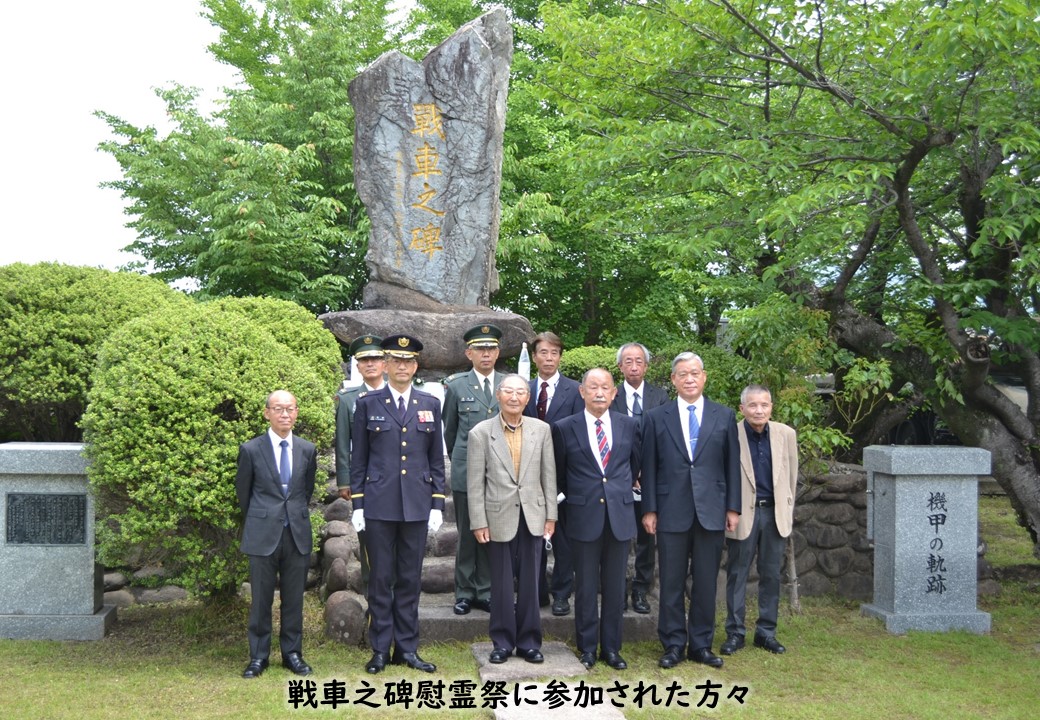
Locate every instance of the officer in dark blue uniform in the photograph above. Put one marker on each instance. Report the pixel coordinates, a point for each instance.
(397, 488)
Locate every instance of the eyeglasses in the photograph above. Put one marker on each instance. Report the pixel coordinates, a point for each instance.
(513, 391)
(280, 410)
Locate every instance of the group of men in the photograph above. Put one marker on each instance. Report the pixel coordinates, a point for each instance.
(582, 468)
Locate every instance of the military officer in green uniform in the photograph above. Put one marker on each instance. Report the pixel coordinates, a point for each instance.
(469, 398)
(372, 366)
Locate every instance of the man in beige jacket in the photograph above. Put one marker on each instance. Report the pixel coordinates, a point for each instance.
(511, 482)
(768, 481)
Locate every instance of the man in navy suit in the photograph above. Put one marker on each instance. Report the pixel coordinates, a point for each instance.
(691, 497)
(554, 397)
(274, 483)
(634, 397)
(397, 488)
(597, 462)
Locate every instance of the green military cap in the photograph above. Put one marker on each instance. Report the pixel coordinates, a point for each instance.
(401, 346)
(366, 346)
(482, 336)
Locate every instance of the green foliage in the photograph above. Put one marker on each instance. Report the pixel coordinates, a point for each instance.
(294, 327)
(174, 395)
(574, 363)
(259, 198)
(54, 319)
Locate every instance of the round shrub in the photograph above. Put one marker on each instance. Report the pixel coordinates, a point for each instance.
(173, 396)
(295, 327)
(53, 319)
(574, 363)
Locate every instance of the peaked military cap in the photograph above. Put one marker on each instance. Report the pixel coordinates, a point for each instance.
(482, 336)
(401, 346)
(366, 346)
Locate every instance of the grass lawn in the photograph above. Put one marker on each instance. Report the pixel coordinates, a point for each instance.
(184, 661)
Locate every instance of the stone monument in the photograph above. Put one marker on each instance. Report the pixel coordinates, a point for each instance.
(428, 167)
(924, 520)
(52, 588)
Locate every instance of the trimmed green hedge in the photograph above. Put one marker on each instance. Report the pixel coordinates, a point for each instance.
(53, 320)
(174, 394)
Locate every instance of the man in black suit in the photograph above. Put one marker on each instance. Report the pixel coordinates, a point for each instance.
(597, 461)
(274, 483)
(397, 488)
(554, 397)
(634, 397)
(691, 497)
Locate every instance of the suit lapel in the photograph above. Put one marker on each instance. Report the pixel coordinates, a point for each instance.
(580, 432)
(500, 448)
(267, 451)
(674, 425)
(778, 456)
(709, 418)
(745, 455)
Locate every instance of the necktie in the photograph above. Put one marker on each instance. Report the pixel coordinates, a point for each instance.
(284, 472)
(637, 409)
(400, 408)
(601, 441)
(487, 390)
(695, 430)
(543, 400)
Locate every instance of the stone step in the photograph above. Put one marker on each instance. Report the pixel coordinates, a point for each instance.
(438, 622)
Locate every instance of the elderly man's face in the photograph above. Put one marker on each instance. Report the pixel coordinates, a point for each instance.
(598, 391)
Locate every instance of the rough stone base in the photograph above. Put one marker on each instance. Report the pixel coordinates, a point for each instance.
(58, 627)
(899, 623)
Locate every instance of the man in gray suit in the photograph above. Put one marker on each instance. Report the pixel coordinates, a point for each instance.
(274, 483)
(511, 479)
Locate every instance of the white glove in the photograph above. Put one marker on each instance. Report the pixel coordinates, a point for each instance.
(560, 498)
(436, 520)
(357, 519)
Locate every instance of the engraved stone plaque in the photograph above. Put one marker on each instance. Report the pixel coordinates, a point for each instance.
(46, 519)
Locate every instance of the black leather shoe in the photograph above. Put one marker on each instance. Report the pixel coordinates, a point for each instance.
(377, 663)
(769, 643)
(705, 656)
(560, 606)
(499, 656)
(531, 656)
(672, 657)
(588, 659)
(484, 605)
(255, 668)
(639, 603)
(614, 660)
(294, 661)
(732, 644)
(462, 606)
(413, 661)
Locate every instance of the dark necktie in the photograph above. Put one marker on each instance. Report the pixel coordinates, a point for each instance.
(695, 430)
(284, 472)
(601, 442)
(400, 408)
(543, 400)
(637, 409)
(487, 390)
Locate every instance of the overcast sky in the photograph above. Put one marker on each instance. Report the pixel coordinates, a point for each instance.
(62, 61)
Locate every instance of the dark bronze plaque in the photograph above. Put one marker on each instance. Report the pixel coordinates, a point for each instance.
(46, 519)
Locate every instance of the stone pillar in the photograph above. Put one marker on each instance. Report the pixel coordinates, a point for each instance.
(925, 527)
(52, 589)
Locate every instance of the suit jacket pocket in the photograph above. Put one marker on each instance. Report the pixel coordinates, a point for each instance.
(257, 513)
